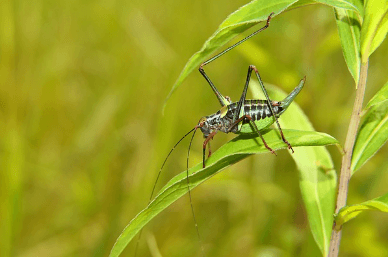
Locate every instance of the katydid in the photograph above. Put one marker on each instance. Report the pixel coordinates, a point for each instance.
(242, 117)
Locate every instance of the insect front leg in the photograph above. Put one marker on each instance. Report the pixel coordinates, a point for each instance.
(207, 139)
(210, 150)
(270, 106)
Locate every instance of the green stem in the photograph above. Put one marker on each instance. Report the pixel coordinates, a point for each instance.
(347, 158)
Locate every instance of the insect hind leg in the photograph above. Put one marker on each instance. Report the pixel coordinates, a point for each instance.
(270, 106)
(253, 124)
(224, 100)
(249, 118)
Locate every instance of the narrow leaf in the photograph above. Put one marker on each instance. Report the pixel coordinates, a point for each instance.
(381, 33)
(302, 3)
(236, 23)
(379, 97)
(374, 27)
(349, 28)
(355, 5)
(318, 180)
(373, 132)
(230, 153)
(350, 212)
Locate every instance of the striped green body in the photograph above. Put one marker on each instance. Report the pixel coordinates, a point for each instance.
(259, 112)
(261, 115)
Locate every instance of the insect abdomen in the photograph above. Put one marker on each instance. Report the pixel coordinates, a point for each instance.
(259, 109)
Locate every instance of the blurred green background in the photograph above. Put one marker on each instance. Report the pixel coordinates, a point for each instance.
(82, 85)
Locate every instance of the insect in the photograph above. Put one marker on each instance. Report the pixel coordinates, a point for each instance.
(242, 117)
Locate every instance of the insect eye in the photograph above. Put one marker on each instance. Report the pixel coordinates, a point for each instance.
(202, 121)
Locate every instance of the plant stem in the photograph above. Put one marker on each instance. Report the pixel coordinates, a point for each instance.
(347, 158)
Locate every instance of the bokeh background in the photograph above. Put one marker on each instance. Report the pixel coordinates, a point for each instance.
(82, 135)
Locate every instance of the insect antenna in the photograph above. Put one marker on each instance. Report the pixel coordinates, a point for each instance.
(188, 189)
(157, 178)
(165, 160)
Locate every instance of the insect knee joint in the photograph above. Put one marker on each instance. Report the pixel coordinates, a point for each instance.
(253, 67)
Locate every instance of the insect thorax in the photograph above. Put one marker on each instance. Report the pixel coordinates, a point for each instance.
(217, 122)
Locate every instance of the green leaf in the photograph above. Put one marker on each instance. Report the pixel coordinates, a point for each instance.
(350, 212)
(381, 96)
(373, 132)
(354, 5)
(230, 153)
(318, 179)
(374, 28)
(302, 3)
(349, 28)
(236, 23)
(381, 33)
